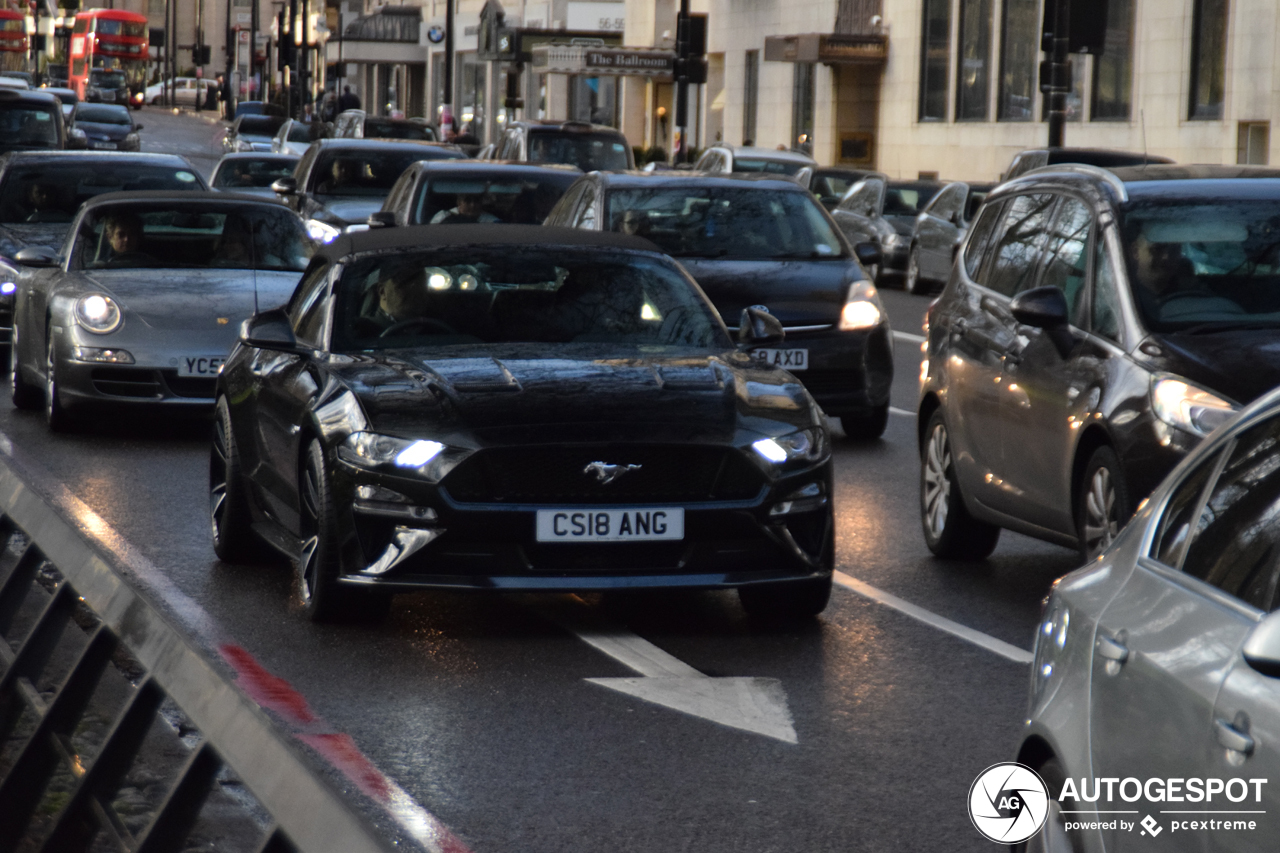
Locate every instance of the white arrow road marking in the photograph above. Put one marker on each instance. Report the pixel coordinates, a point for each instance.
(757, 705)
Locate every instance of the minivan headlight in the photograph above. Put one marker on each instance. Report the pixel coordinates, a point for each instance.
(862, 309)
(98, 313)
(1180, 404)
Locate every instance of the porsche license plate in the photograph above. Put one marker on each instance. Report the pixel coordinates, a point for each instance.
(610, 525)
(205, 365)
(788, 359)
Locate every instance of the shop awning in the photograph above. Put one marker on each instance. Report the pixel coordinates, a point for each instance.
(829, 48)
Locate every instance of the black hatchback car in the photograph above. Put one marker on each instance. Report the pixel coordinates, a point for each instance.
(1097, 326)
(513, 407)
(755, 240)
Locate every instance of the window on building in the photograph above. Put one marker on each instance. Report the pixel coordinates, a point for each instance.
(1253, 144)
(974, 70)
(1113, 70)
(1208, 58)
(750, 96)
(1019, 60)
(935, 55)
(802, 100)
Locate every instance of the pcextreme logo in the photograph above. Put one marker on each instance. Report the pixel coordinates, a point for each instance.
(1008, 802)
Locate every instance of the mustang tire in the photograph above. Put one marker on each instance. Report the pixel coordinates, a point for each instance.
(233, 539)
(790, 600)
(320, 562)
(949, 530)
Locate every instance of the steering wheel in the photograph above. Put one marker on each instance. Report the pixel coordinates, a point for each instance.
(438, 326)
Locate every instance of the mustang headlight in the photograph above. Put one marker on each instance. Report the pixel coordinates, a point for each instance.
(98, 313)
(862, 309)
(419, 458)
(1183, 405)
(321, 232)
(807, 445)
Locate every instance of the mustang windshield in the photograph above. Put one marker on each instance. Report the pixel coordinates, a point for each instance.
(1205, 264)
(171, 236)
(505, 294)
(726, 222)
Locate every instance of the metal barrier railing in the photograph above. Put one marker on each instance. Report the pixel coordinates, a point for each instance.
(117, 734)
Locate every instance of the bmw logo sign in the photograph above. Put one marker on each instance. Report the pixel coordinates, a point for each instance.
(435, 35)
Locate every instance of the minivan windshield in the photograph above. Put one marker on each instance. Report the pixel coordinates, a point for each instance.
(1204, 264)
(726, 222)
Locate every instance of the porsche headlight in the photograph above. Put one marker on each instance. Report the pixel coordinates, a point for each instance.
(862, 308)
(807, 445)
(321, 232)
(1181, 404)
(98, 313)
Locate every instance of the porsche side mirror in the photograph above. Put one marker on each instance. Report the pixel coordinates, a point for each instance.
(1262, 647)
(382, 219)
(269, 330)
(285, 186)
(38, 256)
(759, 328)
(868, 254)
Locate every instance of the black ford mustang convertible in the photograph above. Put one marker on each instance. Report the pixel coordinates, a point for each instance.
(517, 408)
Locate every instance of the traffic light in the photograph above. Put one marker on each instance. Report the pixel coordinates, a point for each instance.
(1088, 32)
(201, 55)
(693, 69)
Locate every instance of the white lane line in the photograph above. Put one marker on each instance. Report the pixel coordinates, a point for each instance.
(991, 644)
(894, 410)
(907, 336)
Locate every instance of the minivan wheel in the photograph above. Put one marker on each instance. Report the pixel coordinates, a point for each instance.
(1102, 503)
(949, 530)
(913, 283)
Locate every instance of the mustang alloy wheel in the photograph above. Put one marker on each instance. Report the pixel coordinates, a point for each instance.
(319, 564)
(1103, 503)
(949, 530)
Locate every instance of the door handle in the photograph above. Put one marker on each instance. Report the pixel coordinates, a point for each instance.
(1112, 650)
(1232, 738)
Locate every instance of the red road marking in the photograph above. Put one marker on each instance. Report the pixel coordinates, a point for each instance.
(269, 691)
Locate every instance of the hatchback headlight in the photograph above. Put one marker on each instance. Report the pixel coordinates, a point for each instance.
(1180, 404)
(862, 309)
(807, 445)
(98, 313)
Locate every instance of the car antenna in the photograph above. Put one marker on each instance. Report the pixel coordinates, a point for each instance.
(1142, 115)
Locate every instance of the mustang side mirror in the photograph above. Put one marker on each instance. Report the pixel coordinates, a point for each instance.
(1045, 308)
(285, 186)
(1262, 648)
(759, 328)
(37, 256)
(382, 219)
(269, 330)
(868, 254)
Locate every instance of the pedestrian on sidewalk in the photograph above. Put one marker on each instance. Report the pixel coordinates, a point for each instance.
(348, 100)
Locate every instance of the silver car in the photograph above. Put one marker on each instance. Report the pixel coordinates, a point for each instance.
(146, 298)
(1159, 662)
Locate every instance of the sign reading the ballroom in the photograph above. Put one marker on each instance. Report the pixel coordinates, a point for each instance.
(581, 59)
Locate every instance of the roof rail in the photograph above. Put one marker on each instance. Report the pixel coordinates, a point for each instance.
(1105, 175)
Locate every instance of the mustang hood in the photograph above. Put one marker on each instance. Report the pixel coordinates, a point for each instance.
(528, 393)
(15, 236)
(193, 299)
(1240, 364)
(797, 292)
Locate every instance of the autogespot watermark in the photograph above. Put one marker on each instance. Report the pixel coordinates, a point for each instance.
(1009, 803)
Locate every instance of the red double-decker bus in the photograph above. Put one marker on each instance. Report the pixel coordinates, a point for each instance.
(108, 55)
(13, 41)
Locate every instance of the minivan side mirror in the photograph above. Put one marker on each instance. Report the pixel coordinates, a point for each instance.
(269, 330)
(1262, 647)
(1045, 308)
(759, 328)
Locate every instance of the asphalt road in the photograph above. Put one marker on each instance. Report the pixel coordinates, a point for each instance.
(477, 708)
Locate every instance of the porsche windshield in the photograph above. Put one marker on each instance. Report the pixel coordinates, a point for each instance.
(143, 237)
(1205, 264)
(365, 172)
(47, 192)
(505, 294)
(726, 222)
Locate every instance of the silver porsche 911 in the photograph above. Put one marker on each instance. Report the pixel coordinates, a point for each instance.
(146, 298)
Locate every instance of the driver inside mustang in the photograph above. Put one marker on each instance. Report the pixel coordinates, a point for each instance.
(401, 296)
